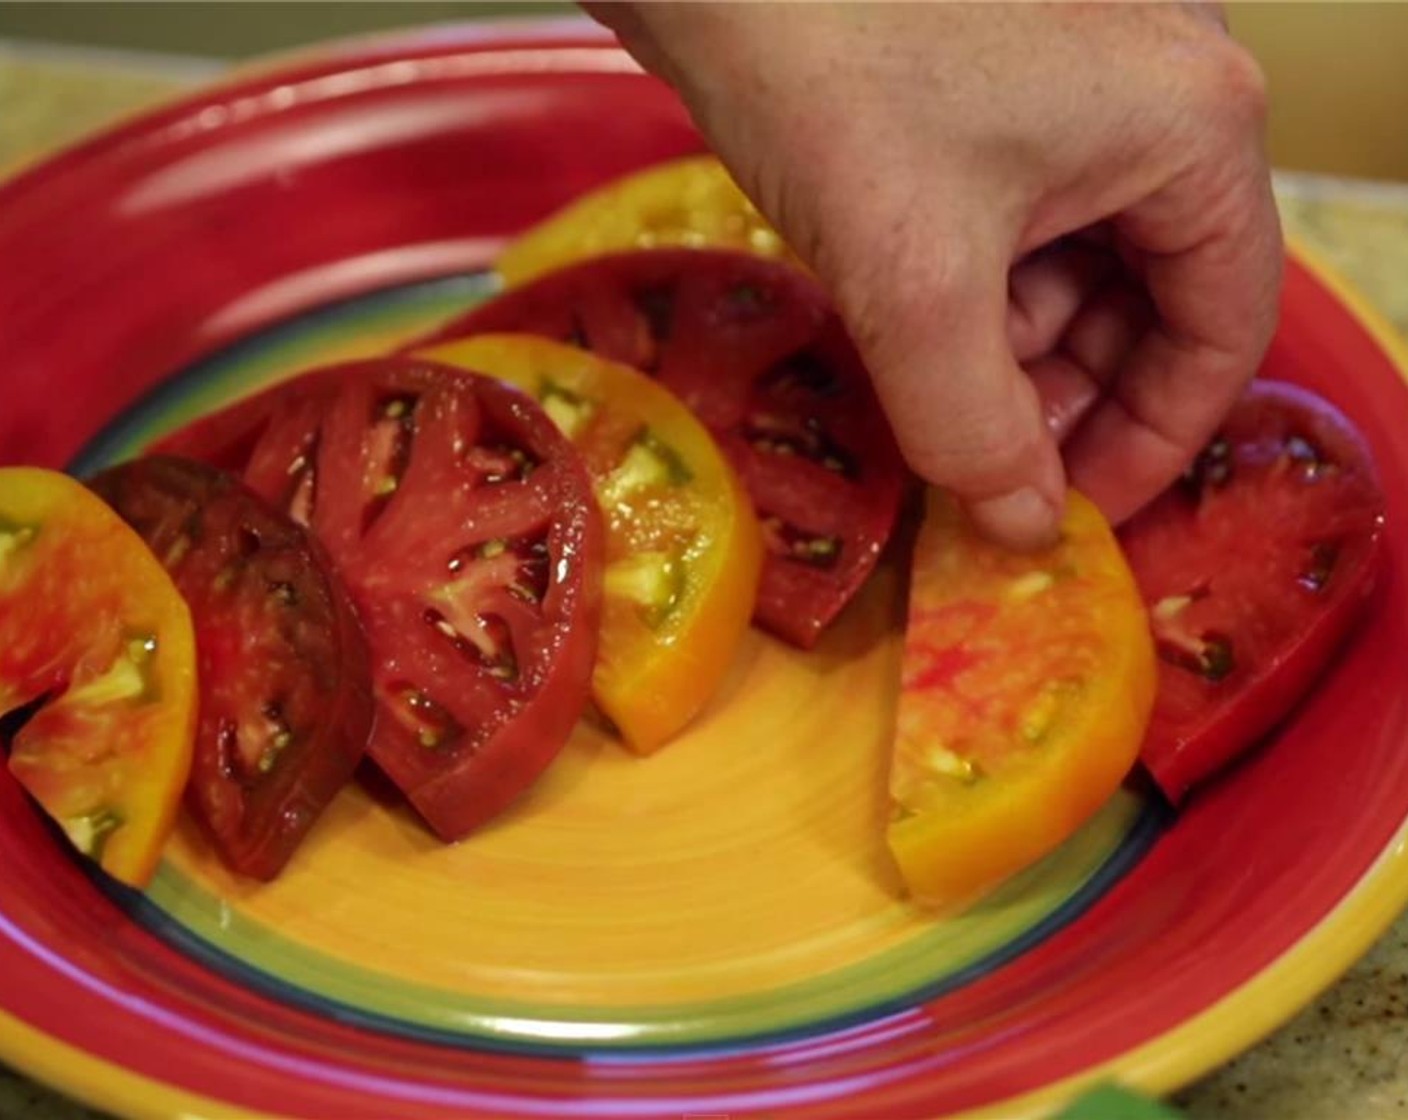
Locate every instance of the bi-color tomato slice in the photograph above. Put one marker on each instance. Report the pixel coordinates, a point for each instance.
(687, 203)
(1254, 567)
(754, 349)
(285, 685)
(93, 630)
(683, 549)
(464, 525)
(1027, 684)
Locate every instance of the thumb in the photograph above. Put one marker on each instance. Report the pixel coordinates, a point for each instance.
(933, 331)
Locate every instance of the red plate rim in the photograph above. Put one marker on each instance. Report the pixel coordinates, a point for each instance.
(79, 970)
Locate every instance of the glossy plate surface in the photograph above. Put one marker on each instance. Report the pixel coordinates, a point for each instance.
(714, 930)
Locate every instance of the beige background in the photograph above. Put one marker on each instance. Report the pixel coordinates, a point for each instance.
(1338, 71)
(1338, 75)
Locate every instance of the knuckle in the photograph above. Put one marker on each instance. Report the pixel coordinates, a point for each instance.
(1236, 86)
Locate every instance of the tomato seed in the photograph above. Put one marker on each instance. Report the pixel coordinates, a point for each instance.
(1210, 656)
(577, 335)
(91, 831)
(1212, 469)
(499, 463)
(1323, 555)
(745, 303)
(434, 727)
(1309, 458)
(301, 491)
(657, 307)
(802, 373)
(774, 434)
(14, 538)
(787, 540)
(393, 429)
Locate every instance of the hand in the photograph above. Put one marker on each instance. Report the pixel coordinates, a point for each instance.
(1049, 228)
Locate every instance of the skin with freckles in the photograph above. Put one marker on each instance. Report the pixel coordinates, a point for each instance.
(1049, 227)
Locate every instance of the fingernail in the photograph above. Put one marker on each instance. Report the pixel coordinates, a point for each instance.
(1023, 519)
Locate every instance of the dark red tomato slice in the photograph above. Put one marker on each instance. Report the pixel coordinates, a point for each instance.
(1254, 567)
(753, 347)
(465, 528)
(285, 681)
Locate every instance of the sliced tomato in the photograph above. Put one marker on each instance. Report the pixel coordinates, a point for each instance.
(683, 548)
(1027, 685)
(1254, 566)
(93, 631)
(687, 203)
(285, 696)
(464, 525)
(754, 349)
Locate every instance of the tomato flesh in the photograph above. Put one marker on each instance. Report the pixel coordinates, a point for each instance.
(285, 697)
(94, 632)
(1254, 567)
(1027, 682)
(464, 526)
(687, 203)
(754, 349)
(683, 549)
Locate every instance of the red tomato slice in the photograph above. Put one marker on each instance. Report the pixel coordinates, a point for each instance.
(93, 630)
(285, 701)
(753, 347)
(464, 526)
(1254, 566)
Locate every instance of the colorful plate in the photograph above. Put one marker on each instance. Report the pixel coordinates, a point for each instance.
(711, 932)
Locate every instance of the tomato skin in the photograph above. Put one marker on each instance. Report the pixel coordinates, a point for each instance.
(667, 492)
(89, 619)
(691, 202)
(1247, 613)
(392, 462)
(1027, 686)
(754, 348)
(283, 663)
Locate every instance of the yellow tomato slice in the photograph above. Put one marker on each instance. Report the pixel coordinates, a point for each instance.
(684, 548)
(687, 203)
(1028, 681)
(93, 629)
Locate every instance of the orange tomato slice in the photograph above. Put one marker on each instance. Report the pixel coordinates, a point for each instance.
(93, 630)
(1027, 684)
(684, 549)
(689, 203)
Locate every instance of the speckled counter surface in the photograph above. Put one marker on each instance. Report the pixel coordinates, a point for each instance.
(1345, 1056)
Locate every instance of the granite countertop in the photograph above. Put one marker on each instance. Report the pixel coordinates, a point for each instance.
(1347, 1053)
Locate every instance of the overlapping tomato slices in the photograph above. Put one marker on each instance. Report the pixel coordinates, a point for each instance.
(753, 347)
(465, 528)
(683, 548)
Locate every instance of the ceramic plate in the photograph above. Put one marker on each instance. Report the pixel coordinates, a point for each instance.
(714, 931)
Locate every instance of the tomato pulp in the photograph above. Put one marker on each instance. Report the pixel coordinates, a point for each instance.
(1027, 682)
(93, 631)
